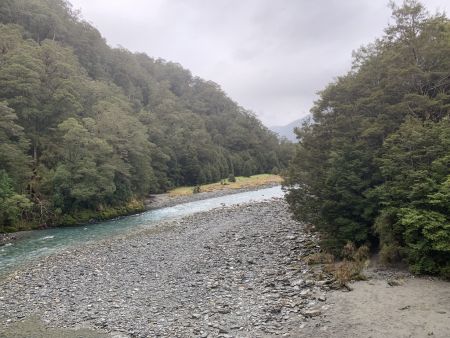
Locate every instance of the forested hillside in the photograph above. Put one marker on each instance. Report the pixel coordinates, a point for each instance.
(374, 165)
(87, 130)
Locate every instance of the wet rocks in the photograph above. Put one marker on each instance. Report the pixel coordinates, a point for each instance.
(6, 239)
(231, 272)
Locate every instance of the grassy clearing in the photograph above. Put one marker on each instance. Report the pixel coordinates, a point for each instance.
(241, 182)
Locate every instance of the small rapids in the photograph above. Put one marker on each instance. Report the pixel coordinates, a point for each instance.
(35, 244)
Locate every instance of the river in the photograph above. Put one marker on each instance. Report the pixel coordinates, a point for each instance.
(35, 244)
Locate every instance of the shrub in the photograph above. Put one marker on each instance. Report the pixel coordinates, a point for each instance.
(390, 253)
(347, 271)
(319, 258)
(351, 267)
(348, 251)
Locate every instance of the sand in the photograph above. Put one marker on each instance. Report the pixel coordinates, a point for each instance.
(412, 307)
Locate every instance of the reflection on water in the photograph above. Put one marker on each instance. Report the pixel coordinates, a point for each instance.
(44, 242)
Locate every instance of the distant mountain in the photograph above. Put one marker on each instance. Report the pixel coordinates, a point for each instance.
(288, 130)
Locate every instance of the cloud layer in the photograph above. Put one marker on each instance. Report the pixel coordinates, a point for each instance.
(269, 56)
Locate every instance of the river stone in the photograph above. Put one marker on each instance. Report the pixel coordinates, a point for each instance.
(229, 271)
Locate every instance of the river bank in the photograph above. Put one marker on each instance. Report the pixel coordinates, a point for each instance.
(152, 202)
(78, 218)
(165, 200)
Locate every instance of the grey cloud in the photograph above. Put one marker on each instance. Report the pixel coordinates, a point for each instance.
(270, 56)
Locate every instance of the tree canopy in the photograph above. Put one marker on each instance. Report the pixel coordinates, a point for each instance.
(86, 127)
(372, 166)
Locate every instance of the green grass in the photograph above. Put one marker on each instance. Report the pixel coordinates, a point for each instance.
(241, 182)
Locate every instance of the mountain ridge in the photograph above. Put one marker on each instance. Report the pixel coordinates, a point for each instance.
(287, 131)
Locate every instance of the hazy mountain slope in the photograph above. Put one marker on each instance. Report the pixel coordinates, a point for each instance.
(287, 131)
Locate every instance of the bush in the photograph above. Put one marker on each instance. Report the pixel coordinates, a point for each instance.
(351, 268)
(348, 251)
(390, 253)
(319, 258)
(347, 271)
(231, 178)
(196, 189)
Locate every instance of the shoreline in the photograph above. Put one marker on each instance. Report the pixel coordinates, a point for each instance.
(165, 200)
(157, 201)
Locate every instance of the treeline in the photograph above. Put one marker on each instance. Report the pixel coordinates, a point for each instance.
(87, 130)
(373, 165)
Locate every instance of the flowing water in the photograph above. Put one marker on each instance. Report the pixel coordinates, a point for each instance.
(35, 244)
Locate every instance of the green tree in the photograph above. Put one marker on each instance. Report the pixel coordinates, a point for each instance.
(98, 127)
(414, 219)
(85, 176)
(13, 148)
(12, 205)
(372, 164)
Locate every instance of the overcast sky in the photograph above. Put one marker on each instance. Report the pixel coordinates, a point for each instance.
(270, 56)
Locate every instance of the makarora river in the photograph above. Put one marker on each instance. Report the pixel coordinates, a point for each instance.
(35, 244)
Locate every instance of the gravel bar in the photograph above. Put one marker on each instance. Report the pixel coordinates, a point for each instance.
(165, 200)
(231, 272)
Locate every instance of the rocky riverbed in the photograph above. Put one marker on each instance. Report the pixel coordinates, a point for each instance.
(230, 272)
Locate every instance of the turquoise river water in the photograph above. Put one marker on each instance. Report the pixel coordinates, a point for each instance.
(35, 244)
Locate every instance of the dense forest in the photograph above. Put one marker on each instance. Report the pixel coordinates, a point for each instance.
(373, 164)
(87, 131)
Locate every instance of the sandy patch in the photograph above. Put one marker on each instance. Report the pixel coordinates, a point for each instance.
(416, 307)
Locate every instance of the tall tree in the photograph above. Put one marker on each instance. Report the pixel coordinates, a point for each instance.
(366, 169)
